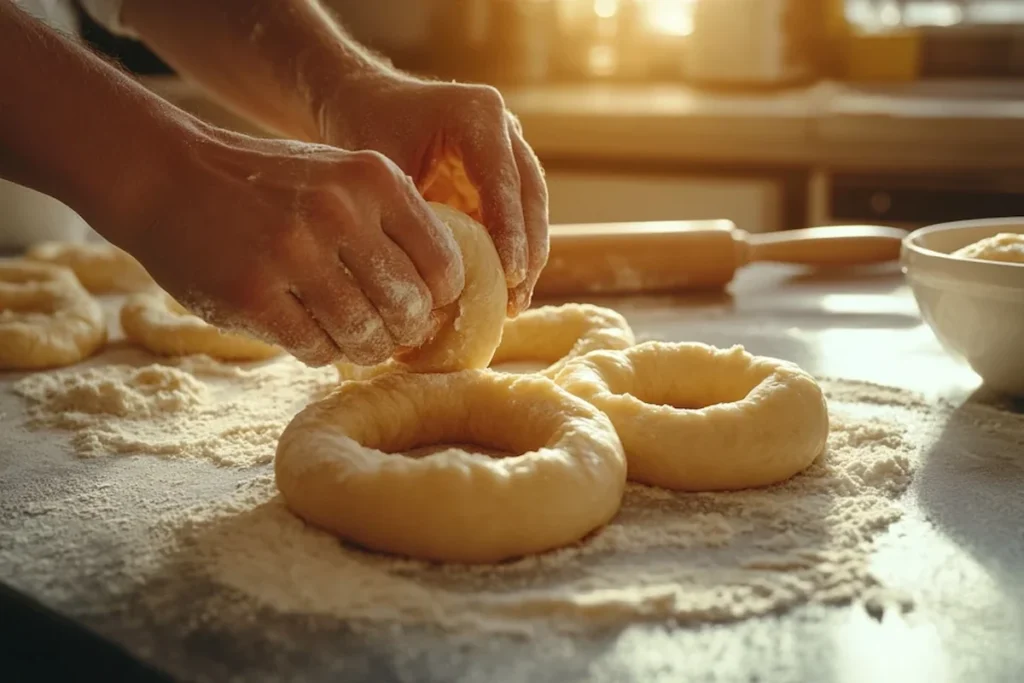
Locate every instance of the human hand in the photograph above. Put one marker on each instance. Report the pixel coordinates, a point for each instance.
(329, 254)
(462, 147)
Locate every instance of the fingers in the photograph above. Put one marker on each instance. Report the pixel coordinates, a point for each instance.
(332, 298)
(285, 322)
(489, 161)
(391, 283)
(534, 195)
(429, 246)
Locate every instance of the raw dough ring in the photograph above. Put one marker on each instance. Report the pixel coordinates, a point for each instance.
(557, 334)
(473, 331)
(101, 268)
(46, 318)
(161, 325)
(336, 469)
(695, 418)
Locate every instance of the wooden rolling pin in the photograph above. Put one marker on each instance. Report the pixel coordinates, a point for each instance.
(629, 258)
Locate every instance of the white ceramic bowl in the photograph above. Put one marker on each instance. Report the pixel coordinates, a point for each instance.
(975, 308)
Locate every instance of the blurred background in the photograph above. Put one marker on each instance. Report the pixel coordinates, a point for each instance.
(777, 114)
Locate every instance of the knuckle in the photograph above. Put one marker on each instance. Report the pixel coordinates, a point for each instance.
(487, 99)
(373, 165)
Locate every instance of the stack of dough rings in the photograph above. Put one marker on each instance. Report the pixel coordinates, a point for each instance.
(161, 325)
(47, 319)
(683, 416)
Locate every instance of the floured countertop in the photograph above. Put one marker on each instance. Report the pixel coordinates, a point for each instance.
(898, 557)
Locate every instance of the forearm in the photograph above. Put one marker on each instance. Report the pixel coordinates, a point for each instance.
(75, 128)
(269, 60)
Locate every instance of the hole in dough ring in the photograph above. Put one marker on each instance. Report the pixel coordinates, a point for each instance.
(47, 319)
(696, 418)
(468, 338)
(337, 467)
(161, 325)
(557, 334)
(101, 268)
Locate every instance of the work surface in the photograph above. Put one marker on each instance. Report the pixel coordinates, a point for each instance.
(958, 552)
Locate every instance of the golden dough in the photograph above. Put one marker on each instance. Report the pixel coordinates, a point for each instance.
(160, 324)
(46, 318)
(557, 334)
(468, 339)
(1006, 247)
(101, 268)
(695, 418)
(337, 466)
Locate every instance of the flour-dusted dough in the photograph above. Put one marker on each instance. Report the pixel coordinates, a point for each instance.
(473, 329)
(557, 334)
(1007, 247)
(160, 324)
(101, 268)
(338, 466)
(46, 318)
(696, 418)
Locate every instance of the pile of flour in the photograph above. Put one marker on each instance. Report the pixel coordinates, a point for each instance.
(666, 556)
(193, 407)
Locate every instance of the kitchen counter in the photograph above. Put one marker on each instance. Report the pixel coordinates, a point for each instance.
(958, 552)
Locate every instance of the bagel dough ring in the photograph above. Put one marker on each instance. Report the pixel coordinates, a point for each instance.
(47, 319)
(1006, 247)
(472, 333)
(101, 268)
(557, 334)
(337, 466)
(696, 418)
(161, 325)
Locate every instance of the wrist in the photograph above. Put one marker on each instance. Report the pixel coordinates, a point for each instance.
(127, 190)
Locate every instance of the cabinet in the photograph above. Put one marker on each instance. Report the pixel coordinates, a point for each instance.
(610, 196)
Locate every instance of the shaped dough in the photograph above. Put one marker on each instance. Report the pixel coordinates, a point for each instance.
(696, 418)
(557, 334)
(101, 268)
(46, 318)
(161, 325)
(338, 466)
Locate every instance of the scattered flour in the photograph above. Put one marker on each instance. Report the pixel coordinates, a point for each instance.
(666, 556)
(696, 557)
(191, 408)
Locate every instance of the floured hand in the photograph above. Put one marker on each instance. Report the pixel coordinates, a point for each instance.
(330, 254)
(450, 138)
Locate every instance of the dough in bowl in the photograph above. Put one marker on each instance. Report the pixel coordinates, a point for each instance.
(1007, 247)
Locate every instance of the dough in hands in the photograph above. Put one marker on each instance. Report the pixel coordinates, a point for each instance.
(101, 268)
(696, 418)
(1006, 247)
(339, 466)
(161, 325)
(473, 327)
(47, 319)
